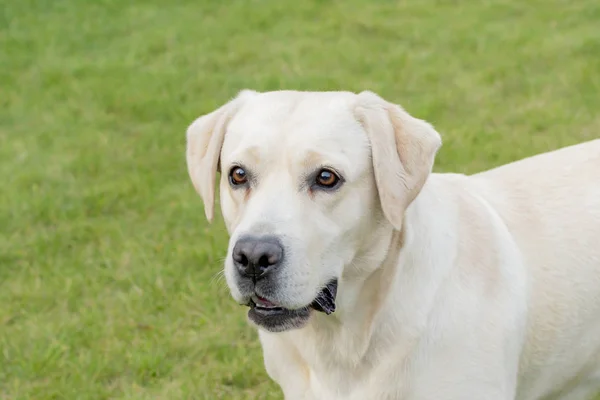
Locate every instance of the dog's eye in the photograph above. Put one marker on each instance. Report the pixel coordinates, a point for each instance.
(326, 178)
(237, 176)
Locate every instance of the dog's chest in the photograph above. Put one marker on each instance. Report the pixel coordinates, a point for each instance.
(340, 369)
(356, 384)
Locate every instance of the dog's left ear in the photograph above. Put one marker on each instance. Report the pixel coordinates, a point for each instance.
(403, 149)
(204, 141)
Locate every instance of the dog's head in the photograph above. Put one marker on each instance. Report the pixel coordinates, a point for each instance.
(305, 178)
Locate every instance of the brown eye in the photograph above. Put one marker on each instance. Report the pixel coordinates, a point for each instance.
(237, 176)
(327, 179)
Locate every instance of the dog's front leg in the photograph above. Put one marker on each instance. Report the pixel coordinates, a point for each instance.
(478, 359)
(473, 344)
(285, 366)
(477, 389)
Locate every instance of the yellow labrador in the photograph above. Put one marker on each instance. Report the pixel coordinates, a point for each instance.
(370, 277)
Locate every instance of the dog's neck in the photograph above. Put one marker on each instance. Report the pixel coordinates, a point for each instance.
(347, 333)
(373, 287)
(395, 290)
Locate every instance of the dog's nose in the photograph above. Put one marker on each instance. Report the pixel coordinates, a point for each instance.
(255, 257)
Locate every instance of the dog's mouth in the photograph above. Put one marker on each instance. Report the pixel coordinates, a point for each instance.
(264, 306)
(275, 318)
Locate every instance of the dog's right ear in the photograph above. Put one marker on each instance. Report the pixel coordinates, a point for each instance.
(403, 150)
(204, 141)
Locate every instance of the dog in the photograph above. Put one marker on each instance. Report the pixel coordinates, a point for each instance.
(369, 276)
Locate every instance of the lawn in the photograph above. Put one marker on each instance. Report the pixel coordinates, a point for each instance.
(109, 285)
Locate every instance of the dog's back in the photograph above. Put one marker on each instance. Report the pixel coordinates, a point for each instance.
(551, 205)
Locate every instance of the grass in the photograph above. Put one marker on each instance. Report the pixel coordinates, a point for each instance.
(108, 271)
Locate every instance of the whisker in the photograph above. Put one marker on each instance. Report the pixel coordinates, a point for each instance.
(218, 277)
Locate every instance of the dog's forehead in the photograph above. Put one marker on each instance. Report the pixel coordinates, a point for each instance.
(297, 125)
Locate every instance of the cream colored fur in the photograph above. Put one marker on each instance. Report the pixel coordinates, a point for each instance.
(451, 287)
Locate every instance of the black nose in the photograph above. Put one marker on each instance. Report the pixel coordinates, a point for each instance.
(255, 257)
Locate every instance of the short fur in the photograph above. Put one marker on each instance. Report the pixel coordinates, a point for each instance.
(451, 287)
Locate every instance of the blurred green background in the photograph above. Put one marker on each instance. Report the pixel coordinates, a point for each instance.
(109, 285)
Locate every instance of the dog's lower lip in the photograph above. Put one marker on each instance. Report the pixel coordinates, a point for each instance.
(262, 306)
(261, 302)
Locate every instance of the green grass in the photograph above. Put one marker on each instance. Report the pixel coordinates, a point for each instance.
(108, 284)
